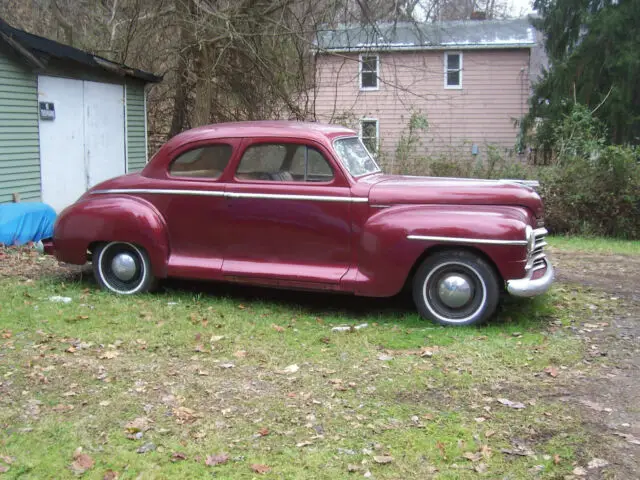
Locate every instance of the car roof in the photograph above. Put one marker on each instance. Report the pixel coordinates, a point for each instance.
(265, 128)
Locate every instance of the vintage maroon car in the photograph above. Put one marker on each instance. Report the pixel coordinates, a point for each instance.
(304, 205)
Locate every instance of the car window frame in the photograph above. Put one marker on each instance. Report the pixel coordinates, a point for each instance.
(336, 180)
(178, 152)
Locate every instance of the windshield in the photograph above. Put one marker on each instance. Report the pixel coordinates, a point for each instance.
(355, 157)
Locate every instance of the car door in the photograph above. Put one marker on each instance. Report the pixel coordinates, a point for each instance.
(194, 207)
(289, 218)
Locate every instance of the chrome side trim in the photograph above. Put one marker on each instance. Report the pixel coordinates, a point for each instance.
(208, 193)
(538, 232)
(162, 191)
(282, 196)
(485, 241)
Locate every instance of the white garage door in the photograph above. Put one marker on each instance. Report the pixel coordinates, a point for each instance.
(84, 144)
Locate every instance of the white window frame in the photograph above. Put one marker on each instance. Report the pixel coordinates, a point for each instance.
(361, 63)
(368, 119)
(446, 71)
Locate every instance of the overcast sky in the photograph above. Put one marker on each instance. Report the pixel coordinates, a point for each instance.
(521, 7)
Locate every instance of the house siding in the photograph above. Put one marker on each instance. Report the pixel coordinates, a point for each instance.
(494, 94)
(19, 144)
(136, 127)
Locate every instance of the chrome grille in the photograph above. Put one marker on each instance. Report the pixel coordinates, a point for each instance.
(537, 259)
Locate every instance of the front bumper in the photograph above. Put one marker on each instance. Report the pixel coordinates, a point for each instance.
(528, 287)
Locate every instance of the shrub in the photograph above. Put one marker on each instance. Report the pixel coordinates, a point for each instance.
(594, 196)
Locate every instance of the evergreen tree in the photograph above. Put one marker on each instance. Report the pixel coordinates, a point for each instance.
(594, 60)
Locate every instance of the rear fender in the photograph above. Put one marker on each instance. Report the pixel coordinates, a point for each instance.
(386, 255)
(111, 218)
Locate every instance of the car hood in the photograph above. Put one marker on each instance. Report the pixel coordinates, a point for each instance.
(396, 189)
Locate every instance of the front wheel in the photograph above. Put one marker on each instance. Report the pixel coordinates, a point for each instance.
(456, 288)
(123, 268)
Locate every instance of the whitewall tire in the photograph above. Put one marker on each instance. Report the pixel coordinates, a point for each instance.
(123, 268)
(456, 287)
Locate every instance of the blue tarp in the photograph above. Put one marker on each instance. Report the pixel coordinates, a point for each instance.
(25, 222)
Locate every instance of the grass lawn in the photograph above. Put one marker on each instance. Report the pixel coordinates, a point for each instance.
(256, 381)
(596, 244)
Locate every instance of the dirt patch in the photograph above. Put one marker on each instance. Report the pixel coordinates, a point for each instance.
(27, 264)
(615, 274)
(608, 400)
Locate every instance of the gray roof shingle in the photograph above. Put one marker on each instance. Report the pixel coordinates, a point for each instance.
(467, 34)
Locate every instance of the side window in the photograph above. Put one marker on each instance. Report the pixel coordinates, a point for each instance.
(204, 162)
(309, 165)
(281, 162)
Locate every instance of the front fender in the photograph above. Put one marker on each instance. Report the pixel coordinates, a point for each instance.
(386, 255)
(111, 218)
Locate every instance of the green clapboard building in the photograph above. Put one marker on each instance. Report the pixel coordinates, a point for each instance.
(68, 119)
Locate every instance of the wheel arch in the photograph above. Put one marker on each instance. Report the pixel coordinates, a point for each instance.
(96, 220)
(442, 247)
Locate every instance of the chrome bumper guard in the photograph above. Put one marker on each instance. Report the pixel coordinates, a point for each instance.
(526, 287)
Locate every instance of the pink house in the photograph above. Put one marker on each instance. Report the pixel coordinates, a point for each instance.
(469, 79)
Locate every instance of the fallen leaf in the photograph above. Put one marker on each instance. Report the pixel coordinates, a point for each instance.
(489, 433)
(481, 467)
(185, 415)
(3, 468)
(277, 328)
(290, 369)
(551, 371)
(263, 432)
(597, 463)
(178, 456)
(7, 459)
(217, 459)
(216, 338)
(579, 471)
(384, 357)
(486, 451)
(556, 459)
(474, 457)
(241, 307)
(383, 459)
(440, 446)
(109, 355)
(110, 475)
(140, 424)
(81, 462)
(199, 348)
(260, 469)
(480, 419)
(62, 408)
(353, 468)
(510, 404)
(104, 403)
(240, 354)
(226, 365)
(305, 443)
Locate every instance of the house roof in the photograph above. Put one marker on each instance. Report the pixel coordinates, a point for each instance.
(36, 51)
(461, 35)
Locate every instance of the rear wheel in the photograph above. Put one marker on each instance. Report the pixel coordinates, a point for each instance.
(123, 268)
(456, 288)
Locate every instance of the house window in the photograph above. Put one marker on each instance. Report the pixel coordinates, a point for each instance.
(369, 134)
(369, 72)
(452, 70)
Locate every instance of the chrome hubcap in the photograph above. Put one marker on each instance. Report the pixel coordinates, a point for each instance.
(455, 290)
(123, 266)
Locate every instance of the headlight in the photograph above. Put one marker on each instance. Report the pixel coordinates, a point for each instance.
(531, 239)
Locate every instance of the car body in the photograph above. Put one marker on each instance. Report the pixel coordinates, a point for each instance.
(304, 206)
